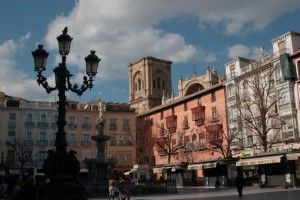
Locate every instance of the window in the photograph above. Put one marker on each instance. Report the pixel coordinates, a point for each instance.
(230, 90)
(42, 138)
(214, 113)
(72, 122)
(163, 84)
(158, 82)
(199, 101)
(129, 158)
(213, 97)
(154, 85)
(126, 126)
(86, 139)
(185, 124)
(173, 111)
(185, 107)
(86, 120)
(121, 158)
(139, 83)
(28, 136)
(161, 115)
(232, 72)
(43, 118)
(249, 140)
(72, 138)
(113, 125)
(284, 100)
(11, 137)
(12, 120)
(232, 112)
(29, 118)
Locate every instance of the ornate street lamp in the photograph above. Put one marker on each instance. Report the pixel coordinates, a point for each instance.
(61, 167)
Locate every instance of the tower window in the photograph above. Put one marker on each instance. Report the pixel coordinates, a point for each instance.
(139, 83)
(158, 82)
(163, 84)
(154, 85)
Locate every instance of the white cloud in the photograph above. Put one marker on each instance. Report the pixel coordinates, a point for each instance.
(239, 50)
(15, 82)
(122, 31)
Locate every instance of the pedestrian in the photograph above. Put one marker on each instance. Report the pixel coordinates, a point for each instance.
(111, 188)
(239, 181)
(28, 191)
(12, 189)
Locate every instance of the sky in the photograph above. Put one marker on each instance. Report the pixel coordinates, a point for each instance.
(190, 33)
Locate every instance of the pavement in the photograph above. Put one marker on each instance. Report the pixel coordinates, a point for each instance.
(200, 193)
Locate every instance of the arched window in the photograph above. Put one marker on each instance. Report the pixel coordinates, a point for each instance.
(139, 83)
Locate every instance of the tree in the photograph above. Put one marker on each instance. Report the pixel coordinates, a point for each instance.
(23, 150)
(217, 138)
(168, 141)
(258, 106)
(143, 141)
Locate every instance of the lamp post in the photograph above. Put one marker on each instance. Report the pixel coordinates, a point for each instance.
(61, 166)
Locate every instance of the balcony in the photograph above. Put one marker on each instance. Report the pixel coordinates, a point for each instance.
(29, 124)
(43, 124)
(86, 126)
(287, 135)
(72, 126)
(231, 98)
(11, 142)
(198, 114)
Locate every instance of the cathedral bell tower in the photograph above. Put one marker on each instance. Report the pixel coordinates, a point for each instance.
(149, 79)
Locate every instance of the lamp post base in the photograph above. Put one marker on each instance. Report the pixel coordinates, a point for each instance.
(61, 168)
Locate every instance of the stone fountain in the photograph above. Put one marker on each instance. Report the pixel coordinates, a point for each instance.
(100, 168)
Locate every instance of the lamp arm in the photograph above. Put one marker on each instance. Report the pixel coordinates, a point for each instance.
(74, 88)
(41, 80)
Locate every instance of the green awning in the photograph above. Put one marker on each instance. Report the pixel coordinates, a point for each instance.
(287, 67)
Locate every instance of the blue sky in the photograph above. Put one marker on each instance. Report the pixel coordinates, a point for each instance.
(187, 32)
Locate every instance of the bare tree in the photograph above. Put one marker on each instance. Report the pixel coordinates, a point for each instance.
(168, 141)
(23, 149)
(143, 141)
(217, 138)
(258, 106)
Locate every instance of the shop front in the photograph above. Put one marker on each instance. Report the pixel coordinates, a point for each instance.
(216, 172)
(280, 169)
(173, 171)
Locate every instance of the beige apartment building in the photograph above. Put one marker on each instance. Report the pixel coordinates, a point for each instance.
(120, 125)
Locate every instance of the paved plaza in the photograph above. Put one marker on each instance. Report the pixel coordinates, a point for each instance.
(199, 193)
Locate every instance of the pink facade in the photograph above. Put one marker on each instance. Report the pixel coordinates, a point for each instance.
(188, 121)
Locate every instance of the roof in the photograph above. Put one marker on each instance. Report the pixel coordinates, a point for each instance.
(181, 99)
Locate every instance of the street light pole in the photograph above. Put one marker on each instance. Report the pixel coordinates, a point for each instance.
(61, 167)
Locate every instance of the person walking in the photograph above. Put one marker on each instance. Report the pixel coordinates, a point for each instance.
(111, 188)
(28, 191)
(239, 181)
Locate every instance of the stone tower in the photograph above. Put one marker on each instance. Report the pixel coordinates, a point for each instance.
(149, 81)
